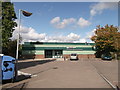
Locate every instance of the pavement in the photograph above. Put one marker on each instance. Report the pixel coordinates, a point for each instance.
(68, 74)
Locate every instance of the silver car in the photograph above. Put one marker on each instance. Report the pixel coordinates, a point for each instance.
(73, 56)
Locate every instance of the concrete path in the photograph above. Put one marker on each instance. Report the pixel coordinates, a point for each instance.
(65, 74)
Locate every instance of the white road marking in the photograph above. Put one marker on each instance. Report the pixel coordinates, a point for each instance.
(26, 74)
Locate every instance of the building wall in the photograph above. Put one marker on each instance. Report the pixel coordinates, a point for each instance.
(79, 52)
(37, 50)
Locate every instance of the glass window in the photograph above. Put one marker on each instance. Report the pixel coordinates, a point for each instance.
(73, 54)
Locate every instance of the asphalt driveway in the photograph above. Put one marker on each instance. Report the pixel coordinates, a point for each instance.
(66, 74)
(49, 73)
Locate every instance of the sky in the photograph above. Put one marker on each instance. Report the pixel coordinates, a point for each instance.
(63, 21)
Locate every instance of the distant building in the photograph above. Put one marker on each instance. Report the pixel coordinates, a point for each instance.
(56, 50)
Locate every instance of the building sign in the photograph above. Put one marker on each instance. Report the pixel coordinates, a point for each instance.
(74, 48)
(70, 47)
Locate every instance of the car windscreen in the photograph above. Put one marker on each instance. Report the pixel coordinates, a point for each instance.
(73, 54)
(109, 55)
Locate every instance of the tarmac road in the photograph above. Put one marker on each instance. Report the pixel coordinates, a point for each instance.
(65, 74)
(68, 74)
(109, 69)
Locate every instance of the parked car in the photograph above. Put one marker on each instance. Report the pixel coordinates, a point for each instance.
(73, 56)
(106, 56)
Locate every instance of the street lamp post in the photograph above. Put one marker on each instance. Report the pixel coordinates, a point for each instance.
(18, 34)
(16, 66)
(27, 14)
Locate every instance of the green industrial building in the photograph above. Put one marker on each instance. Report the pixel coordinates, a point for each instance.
(56, 50)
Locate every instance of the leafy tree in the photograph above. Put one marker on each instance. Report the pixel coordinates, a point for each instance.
(117, 45)
(8, 24)
(0, 27)
(12, 45)
(105, 39)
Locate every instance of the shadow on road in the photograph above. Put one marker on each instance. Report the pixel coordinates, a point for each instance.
(22, 65)
(19, 78)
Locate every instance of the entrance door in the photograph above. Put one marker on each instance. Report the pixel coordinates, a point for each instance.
(48, 53)
(57, 53)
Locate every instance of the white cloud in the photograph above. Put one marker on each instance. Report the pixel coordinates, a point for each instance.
(99, 7)
(28, 34)
(72, 37)
(93, 12)
(55, 20)
(83, 40)
(90, 34)
(83, 23)
(69, 20)
(60, 24)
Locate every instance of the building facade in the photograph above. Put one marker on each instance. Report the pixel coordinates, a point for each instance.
(57, 50)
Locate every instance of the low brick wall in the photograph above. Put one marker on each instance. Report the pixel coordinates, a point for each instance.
(81, 56)
(32, 56)
(66, 56)
(86, 56)
(39, 56)
(27, 56)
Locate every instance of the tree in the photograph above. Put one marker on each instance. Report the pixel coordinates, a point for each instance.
(105, 39)
(12, 45)
(8, 25)
(0, 27)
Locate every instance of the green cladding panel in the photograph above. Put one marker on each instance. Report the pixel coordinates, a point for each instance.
(39, 48)
(54, 48)
(56, 43)
(25, 52)
(79, 52)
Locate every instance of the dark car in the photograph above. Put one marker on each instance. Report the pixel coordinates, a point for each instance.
(106, 57)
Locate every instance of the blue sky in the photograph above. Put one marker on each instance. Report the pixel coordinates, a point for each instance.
(64, 21)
